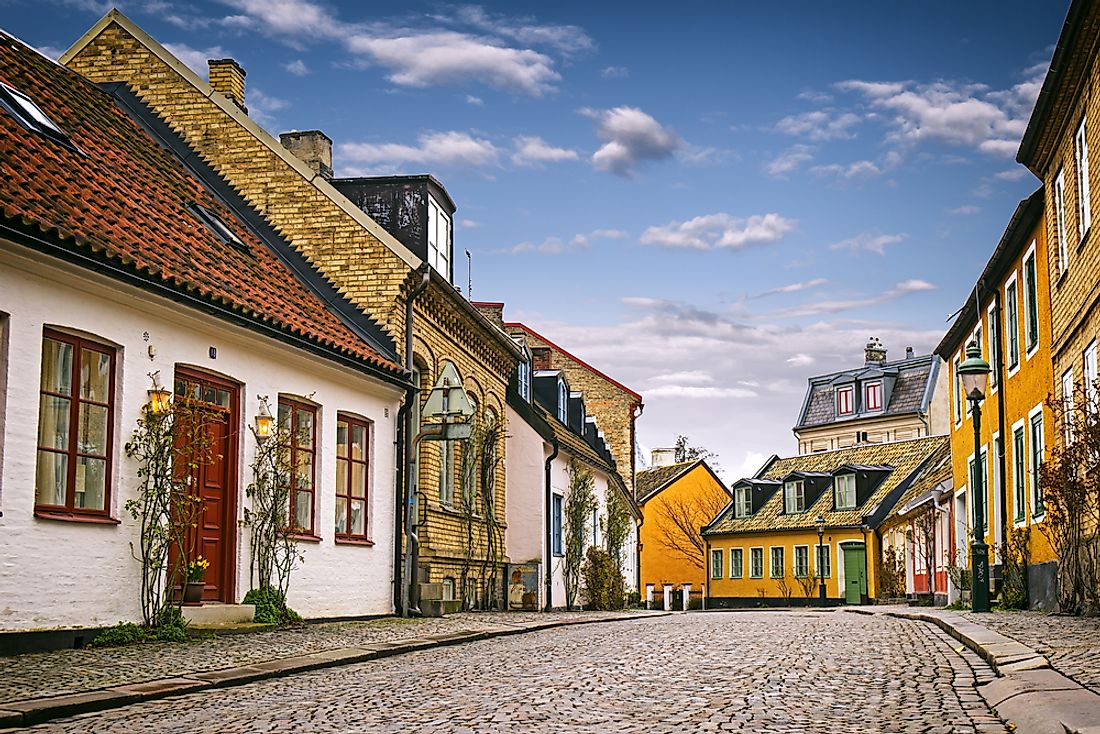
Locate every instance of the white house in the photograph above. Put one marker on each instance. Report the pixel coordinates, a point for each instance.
(118, 261)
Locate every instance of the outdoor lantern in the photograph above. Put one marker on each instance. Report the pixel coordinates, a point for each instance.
(159, 397)
(264, 422)
(974, 372)
(820, 523)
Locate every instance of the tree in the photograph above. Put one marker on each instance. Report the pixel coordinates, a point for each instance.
(680, 520)
(686, 452)
(579, 504)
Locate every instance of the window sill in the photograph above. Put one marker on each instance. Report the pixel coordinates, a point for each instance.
(355, 541)
(305, 537)
(64, 516)
(1061, 278)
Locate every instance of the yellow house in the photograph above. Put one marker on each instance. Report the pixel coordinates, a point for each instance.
(676, 500)
(765, 547)
(1008, 316)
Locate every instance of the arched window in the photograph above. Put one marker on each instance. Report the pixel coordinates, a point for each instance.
(563, 401)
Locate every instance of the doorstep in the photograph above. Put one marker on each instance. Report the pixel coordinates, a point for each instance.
(215, 613)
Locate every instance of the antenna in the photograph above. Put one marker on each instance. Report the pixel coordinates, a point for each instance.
(469, 276)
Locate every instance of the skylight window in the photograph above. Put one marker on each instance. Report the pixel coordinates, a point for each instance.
(30, 115)
(214, 223)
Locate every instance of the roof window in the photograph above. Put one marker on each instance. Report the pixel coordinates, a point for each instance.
(215, 224)
(30, 115)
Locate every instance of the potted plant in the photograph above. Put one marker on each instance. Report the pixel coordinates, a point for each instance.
(196, 574)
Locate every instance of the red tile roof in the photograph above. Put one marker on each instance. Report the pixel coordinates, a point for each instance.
(125, 199)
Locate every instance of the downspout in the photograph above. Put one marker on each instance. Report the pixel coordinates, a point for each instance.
(638, 554)
(548, 571)
(407, 493)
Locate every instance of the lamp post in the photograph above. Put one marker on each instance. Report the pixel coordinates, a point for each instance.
(974, 373)
(820, 523)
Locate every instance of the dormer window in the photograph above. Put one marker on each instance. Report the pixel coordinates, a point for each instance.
(563, 402)
(794, 497)
(215, 224)
(844, 492)
(742, 506)
(844, 400)
(30, 115)
(439, 238)
(523, 380)
(872, 396)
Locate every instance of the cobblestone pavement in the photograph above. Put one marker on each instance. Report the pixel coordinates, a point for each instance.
(1071, 644)
(70, 671)
(736, 671)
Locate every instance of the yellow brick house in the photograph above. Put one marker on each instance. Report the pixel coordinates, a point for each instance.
(767, 536)
(330, 222)
(1008, 315)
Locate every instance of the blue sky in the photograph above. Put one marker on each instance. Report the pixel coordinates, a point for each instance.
(710, 204)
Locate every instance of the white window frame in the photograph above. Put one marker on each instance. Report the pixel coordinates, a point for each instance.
(557, 532)
(439, 242)
(850, 391)
(794, 562)
(1060, 220)
(717, 563)
(868, 388)
(1032, 348)
(983, 453)
(993, 346)
(1033, 471)
(742, 505)
(754, 553)
(959, 403)
(1012, 330)
(739, 553)
(995, 473)
(794, 493)
(782, 562)
(523, 379)
(1019, 467)
(1089, 375)
(836, 492)
(1067, 406)
(563, 402)
(1084, 191)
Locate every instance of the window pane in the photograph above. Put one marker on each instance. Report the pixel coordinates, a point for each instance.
(341, 476)
(95, 376)
(358, 517)
(358, 442)
(341, 438)
(304, 470)
(341, 515)
(284, 417)
(91, 483)
(305, 429)
(57, 367)
(210, 395)
(303, 510)
(50, 478)
(53, 422)
(92, 435)
(358, 479)
(222, 398)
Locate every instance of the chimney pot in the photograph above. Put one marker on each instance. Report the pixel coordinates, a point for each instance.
(909, 352)
(312, 147)
(874, 352)
(227, 77)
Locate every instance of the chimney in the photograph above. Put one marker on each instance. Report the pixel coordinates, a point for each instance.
(662, 457)
(227, 77)
(540, 358)
(312, 147)
(909, 352)
(491, 310)
(874, 351)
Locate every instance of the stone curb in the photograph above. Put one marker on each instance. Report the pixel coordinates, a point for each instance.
(28, 712)
(1028, 693)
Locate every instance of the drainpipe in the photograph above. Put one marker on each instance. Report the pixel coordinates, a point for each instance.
(548, 572)
(638, 555)
(405, 516)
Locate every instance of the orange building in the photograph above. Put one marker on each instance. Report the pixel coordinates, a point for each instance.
(677, 500)
(1008, 315)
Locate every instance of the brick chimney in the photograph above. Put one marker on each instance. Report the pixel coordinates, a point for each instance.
(662, 457)
(874, 351)
(227, 77)
(540, 358)
(312, 147)
(491, 310)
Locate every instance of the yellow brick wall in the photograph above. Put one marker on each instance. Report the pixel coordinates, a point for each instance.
(358, 263)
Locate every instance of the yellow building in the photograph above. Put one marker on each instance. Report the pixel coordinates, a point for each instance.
(676, 500)
(764, 547)
(1008, 315)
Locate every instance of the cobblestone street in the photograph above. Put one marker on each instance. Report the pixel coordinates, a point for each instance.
(742, 671)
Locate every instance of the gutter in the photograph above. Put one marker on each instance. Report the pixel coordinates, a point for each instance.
(548, 573)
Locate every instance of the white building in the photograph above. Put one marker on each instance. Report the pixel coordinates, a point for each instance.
(116, 262)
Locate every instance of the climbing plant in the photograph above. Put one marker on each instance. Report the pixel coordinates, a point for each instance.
(484, 536)
(579, 504)
(1015, 555)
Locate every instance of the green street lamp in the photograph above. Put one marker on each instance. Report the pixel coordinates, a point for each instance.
(974, 373)
(820, 523)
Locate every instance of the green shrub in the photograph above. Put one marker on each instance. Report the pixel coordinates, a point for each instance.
(603, 583)
(171, 626)
(271, 606)
(123, 633)
(633, 599)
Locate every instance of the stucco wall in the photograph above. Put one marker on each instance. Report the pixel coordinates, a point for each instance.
(526, 491)
(60, 574)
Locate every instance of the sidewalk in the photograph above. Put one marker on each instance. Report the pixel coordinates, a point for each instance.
(1048, 667)
(37, 687)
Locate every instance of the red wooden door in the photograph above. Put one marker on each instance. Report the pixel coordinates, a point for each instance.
(214, 479)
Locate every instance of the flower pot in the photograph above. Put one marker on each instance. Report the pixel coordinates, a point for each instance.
(192, 593)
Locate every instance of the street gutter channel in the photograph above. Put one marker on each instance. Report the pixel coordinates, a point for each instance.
(28, 712)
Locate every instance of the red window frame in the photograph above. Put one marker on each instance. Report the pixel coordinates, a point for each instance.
(345, 489)
(873, 390)
(295, 451)
(72, 451)
(844, 398)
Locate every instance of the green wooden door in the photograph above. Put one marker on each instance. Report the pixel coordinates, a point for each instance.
(855, 573)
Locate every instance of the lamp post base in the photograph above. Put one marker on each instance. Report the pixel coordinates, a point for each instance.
(979, 580)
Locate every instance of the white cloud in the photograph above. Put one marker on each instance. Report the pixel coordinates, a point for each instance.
(262, 107)
(818, 308)
(531, 150)
(685, 377)
(849, 171)
(476, 101)
(792, 287)
(630, 136)
(869, 242)
(50, 52)
(789, 161)
(719, 231)
(800, 360)
(450, 148)
(691, 392)
(614, 72)
(196, 58)
(819, 125)
(584, 239)
(468, 224)
(965, 210)
(557, 245)
(567, 39)
(297, 67)
(1011, 174)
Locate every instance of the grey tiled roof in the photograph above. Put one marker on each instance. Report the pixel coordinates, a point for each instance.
(649, 481)
(914, 377)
